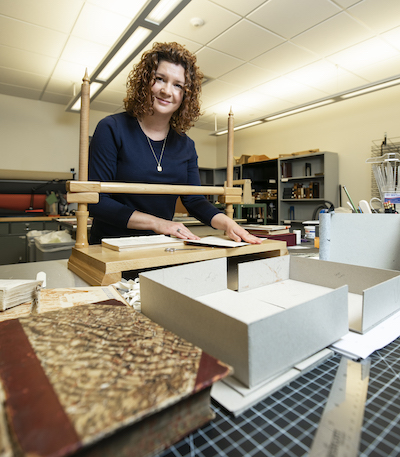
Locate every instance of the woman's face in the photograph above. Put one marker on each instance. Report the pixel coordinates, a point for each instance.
(168, 88)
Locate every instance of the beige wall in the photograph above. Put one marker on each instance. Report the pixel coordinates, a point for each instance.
(41, 136)
(348, 128)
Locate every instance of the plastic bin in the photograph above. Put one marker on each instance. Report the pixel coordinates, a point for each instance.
(30, 243)
(54, 246)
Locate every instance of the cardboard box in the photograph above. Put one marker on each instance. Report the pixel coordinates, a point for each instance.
(272, 322)
(257, 158)
(242, 159)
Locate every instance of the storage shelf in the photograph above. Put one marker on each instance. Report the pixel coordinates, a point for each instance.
(302, 200)
(324, 175)
(297, 178)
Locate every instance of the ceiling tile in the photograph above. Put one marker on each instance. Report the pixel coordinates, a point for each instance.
(315, 73)
(341, 82)
(248, 76)
(239, 6)
(284, 58)
(291, 91)
(84, 52)
(55, 98)
(324, 38)
(14, 33)
(110, 96)
(101, 106)
(367, 53)
(231, 42)
(26, 61)
(23, 92)
(126, 8)
(378, 15)
(346, 3)
(214, 64)
(259, 101)
(61, 87)
(385, 69)
(167, 37)
(118, 84)
(219, 91)
(216, 19)
(22, 79)
(60, 15)
(69, 71)
(288, 18)
(99, 25)
(392, 37)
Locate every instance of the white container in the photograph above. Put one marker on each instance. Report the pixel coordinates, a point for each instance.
(54, 246)
(30, 240)
(310, 232)
(268, 325)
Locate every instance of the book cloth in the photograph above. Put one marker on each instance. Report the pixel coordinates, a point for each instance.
(77, 376)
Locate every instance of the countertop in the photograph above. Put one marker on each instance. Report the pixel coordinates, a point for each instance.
(31, 218)
(57, 273)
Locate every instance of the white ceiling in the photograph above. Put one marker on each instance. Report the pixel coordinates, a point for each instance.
(259, 56)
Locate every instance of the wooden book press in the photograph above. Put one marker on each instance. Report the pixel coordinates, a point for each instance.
(103, 266)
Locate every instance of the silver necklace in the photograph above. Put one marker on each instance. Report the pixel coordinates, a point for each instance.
(159, 167)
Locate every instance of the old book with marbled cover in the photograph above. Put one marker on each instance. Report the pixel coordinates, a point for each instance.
(99, 380)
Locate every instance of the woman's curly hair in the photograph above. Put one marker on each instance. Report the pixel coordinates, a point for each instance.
(139, 99)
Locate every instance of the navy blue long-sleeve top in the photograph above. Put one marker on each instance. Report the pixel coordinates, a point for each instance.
(120, 152)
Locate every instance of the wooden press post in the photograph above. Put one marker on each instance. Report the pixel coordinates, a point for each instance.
(229, 166)
(82, 213)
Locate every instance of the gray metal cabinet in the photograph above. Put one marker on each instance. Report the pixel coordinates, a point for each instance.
(13, 240)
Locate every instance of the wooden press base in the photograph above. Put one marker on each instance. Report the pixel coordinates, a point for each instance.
(101, 266)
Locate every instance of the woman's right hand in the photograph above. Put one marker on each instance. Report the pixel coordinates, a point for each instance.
(143, 221)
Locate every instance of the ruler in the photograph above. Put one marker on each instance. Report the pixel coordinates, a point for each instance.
(339, 431)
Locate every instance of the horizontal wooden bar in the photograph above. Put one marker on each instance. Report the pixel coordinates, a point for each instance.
(82, 197)
(134, 188)
(83, 186)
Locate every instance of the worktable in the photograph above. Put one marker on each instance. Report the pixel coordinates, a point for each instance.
(284, 424)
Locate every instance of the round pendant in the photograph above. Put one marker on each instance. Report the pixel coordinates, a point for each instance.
(159, 168)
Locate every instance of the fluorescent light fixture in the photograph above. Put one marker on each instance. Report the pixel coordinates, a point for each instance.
(95, 87)
(222, 132)
(372, 88)
(299, 110)
(161, 11)
(76, 106)
(130, 45)
(249, 124)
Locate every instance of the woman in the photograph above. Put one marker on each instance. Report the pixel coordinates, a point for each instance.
(148, 144)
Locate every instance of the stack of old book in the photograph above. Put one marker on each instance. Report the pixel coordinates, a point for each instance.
(138, 242)
(99, 379)
(272, 232)
(14, 292)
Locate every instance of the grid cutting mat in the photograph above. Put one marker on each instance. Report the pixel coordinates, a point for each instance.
(284, 424)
